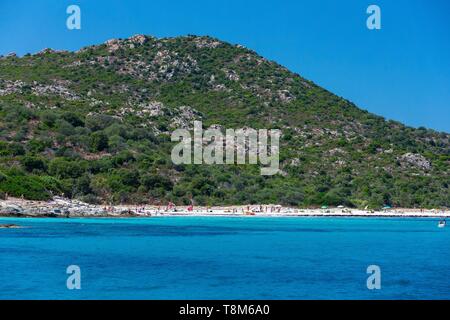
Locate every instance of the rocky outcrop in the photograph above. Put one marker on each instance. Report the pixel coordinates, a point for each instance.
(205, 42)
(57, 88)
(185, 117)
(10, 87)
(416, 160)
(58, 207)
(9, 226)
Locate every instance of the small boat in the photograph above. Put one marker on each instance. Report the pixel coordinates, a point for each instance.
(442, 224)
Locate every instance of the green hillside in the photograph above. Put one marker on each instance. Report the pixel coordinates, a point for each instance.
(95, 125)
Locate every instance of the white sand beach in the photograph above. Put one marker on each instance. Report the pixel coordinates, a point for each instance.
(61, 207)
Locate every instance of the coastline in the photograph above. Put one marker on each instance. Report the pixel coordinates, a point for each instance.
(66, 208)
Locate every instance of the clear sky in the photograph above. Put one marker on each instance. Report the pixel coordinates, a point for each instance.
(401, 72)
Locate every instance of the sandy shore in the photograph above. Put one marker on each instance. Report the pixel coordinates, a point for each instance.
(60, 207)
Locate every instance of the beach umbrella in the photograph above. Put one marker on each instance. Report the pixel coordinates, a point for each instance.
(324, 207)
(386, 207)
(341, 206)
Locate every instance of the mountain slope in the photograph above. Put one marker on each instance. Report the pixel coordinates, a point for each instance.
(95, 124)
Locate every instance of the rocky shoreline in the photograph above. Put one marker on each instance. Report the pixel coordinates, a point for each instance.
(57, 207)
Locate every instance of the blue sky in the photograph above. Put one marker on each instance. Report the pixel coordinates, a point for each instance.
(401, 72)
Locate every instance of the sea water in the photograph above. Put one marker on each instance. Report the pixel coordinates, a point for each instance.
(225, 258)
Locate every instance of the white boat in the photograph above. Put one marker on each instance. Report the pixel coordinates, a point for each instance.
(441, 224)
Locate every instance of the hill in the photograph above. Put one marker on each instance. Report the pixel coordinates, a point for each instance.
(95, 125)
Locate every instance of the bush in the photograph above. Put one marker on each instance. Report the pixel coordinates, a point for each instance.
(11, 149)
(62, 168)
(129, 178)
(33, 163)
(39, 145)
(97, 122)
(98, 141)
(90, 198)
(30, 187)
(54, 185)
(65, 128)
(153, 181)
(73, 119)
(49, 118)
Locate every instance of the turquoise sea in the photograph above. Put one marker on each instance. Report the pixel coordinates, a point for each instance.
(225, 258)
